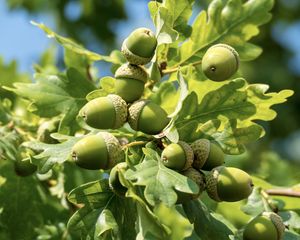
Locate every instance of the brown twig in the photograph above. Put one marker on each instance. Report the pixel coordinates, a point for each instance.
(287, 192)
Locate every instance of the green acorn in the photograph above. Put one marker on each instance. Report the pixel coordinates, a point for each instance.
(268, 226)
(108, 112)
(228, 184)
(114, 181)
(100, 151)
(45, 129)
(130, 81)
(24, 168)
(147, 117)
(208, 155)
(198, 178)
(220, 62)
(139, 47)
(178, 156)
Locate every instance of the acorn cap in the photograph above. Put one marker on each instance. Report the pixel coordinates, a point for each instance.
(114, 149)
(120, 108)
(201, 149)
(189, 155)
(132, 58)
(128, 70)
(134, 112)
(277, 221)
(197, 177)
(211, 180)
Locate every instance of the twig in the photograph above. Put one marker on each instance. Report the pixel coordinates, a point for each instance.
(171, 70)
(288, 192)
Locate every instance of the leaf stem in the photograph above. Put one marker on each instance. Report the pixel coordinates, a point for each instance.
(136, 143)
(287, 192)
(175, 69)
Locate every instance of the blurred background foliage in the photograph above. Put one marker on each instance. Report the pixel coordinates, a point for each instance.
(102, 25)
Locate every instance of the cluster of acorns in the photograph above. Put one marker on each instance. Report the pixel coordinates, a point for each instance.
(103, 150)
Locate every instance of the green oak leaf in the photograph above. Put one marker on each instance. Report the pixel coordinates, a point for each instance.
(25, 205)
(171, 20)
(179, 226)
(288, 203)
(206, 225)
(166, 96)
(291, 219)
(255, 203)
(69, 44)
(9, 144)
(161, 183)
(51, 154)
(104, 215)
(52, 95)
(235, 100)
(233, 138)
(231, 22)
(97, 192)
(107, 226)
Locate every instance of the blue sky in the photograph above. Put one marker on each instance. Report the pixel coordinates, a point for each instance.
(23, 42)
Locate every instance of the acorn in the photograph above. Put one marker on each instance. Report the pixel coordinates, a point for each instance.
(114, 181)
(208, 155)
(147, 117)
(198, 178)
(130, 81)
(24, 168)
(220, 62)
(269, 226)
(108, 112)
(139, 47)
(228, 184)
(178, 156)
(100, 151)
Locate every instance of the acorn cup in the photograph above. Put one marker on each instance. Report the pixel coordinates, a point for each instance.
(114, 180)
(130, 81)
(178, 156)
(220, 62)
(198, 178)
(100, 151)
(147, 117)
(268, 225)
(207, 154)
(108, 112)
(139, 47)
(228, 184)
